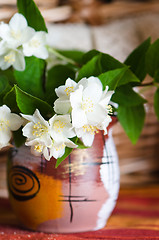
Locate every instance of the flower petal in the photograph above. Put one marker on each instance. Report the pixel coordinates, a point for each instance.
(79, 118)
(15, 121)
(93, 92)
(87, 139)
(4, 65)
(18, 22)
(83, 82)
(5, 136)
(4, 48)
(28, 130)
(4, 110)
(42, 53)
(62, 106)
(70, 83)
(106, 98)
(65, 90)
(27, 117)
(94, 80)
(57, 151)
(41, 36)
(70, 144)
(36, 46)
(103, 125)
(4, 31)
(27, 34)
(60, 91)
(19, 63)
(76, 97)
(38, 116)
(96, 116)
(46, 153)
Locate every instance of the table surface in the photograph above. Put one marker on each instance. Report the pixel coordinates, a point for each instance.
(136, 216)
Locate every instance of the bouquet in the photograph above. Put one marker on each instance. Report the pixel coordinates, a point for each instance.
(54, 100)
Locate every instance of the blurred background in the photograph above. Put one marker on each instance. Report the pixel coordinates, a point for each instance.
(115, 27)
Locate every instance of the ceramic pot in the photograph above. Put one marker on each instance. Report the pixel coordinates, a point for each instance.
(77, 196)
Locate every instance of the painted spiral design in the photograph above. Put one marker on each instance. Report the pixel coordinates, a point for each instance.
(23, 183)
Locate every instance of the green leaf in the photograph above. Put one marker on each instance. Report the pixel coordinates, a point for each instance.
(10, 100)
(61, 159)
(129, 77)
(4, 87)
(136, 60)
(156, 77)
(31, 12)
(31, 79)
(109, 63)
(132, 120)
(156, 103)
(152, 58)
(126, 96)
(75, 55)
(112, 78)
(91, 68)
(28, 104)
(110, 71)
(8, 73)
(18, 137)
(81, 145)
(57, 76)
(67, 152)
(89, 55)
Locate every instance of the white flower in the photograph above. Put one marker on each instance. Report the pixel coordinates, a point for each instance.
(62, 105)
(57, 150)
(19, 40)
(86, 109)
(37, 128)
(103, 125)
(8, 122)
(38, 147)
(11, 57)
(90, 109)
(65, 90)
(105, 99)
(48, 137)
(86, 133)
(61, 130)
(36, 46)
(88, 105)
(17, 31)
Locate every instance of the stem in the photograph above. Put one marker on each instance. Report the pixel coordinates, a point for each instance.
(146, 84)
(57, 54)
(149, 84)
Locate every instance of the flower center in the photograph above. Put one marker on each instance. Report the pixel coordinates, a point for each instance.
(109, 109)
(9, 58)
(16, 35)
(59, 125)
(87, 105)
(91, 129)
(68, 90)
(38, 148)
(39, 129)
(4, 124)
(34, 43)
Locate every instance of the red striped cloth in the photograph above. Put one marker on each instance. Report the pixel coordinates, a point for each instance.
(136, 216)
